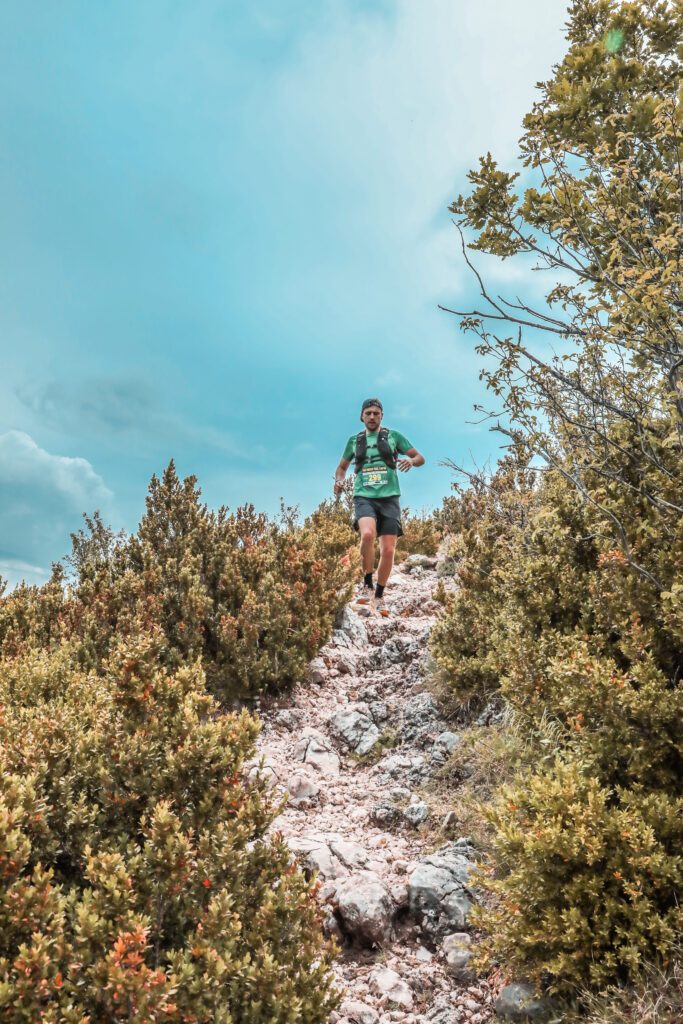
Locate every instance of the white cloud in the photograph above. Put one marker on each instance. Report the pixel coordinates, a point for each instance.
(393, 112)
(42, 497)
(13, 571)
(23, 463)
(119, 407)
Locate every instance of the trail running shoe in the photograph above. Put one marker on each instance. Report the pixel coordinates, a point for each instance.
(380, 608)
(364, 595)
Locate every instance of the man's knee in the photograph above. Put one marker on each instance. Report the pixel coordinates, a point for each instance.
(367, 529)
(387, 544)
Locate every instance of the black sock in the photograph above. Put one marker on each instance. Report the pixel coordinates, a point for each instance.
(368, 579)
(379, 590)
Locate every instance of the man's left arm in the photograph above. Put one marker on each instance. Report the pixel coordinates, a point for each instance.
(413, 461)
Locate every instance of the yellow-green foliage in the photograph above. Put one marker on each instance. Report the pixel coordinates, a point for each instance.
(33, 616)
(421, 535)
(255, 599)
(137, 881)
(588, 876)
(573, 608)
(484, 522)
(553, 615)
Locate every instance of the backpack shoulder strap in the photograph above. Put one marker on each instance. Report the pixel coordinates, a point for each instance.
(361, 449)
(385, 450)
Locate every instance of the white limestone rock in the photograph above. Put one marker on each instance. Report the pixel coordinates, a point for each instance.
(302, 788)
(353, 626)
(419, 561)
(357, 1012)
(317, 671)
(366, 908)
(456, 947)
(416, 813)
(355, 728)
(265, 770)
(314, 748)
(520, 1002)
(391, 988)
(439, 895)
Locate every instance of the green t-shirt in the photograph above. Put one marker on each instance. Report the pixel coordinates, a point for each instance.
(375, 479)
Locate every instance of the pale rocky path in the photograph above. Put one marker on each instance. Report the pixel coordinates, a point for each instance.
(352, 746)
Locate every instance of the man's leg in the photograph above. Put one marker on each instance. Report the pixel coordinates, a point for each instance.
(367, 527)
(387, 548)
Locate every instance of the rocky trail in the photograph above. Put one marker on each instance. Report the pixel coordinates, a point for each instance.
(353, 747)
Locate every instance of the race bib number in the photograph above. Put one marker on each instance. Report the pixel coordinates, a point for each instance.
(375, 477)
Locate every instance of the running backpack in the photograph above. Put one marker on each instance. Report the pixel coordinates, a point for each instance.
(386, 452)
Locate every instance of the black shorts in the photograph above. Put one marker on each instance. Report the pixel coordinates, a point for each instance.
(385, 511)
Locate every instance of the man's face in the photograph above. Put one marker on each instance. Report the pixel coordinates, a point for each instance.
(372, 417)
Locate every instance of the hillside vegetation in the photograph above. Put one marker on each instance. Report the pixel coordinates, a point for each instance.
(139, 880)
(570, 555)
(138, 883)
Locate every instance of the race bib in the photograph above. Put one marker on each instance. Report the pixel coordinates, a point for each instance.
(377, 476)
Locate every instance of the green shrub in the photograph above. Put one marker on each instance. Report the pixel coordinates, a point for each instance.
(33, 616)
(485, 523)
(572, 610)
(253, 598)
(551, 615)
(138, 884)
(421, 535)
(588, 877)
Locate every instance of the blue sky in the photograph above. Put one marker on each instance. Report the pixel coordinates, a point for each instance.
(224, 224)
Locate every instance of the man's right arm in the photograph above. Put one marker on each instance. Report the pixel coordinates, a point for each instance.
(339, 475)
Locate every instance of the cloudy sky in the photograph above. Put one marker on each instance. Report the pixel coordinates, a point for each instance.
(224, 224)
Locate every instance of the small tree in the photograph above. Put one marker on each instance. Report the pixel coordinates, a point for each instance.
(576, 606)
(604, 216)
(93, 547)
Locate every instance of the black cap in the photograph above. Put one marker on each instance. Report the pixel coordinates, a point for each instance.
(371, 401)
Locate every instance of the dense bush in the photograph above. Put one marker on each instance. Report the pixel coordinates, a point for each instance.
(589, 876)
(137, 882)
(483, 524)
(255, 599)
(575, 608)
(421, 535)
(550, 615)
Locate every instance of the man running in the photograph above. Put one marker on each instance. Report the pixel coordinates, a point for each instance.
(377, 510)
